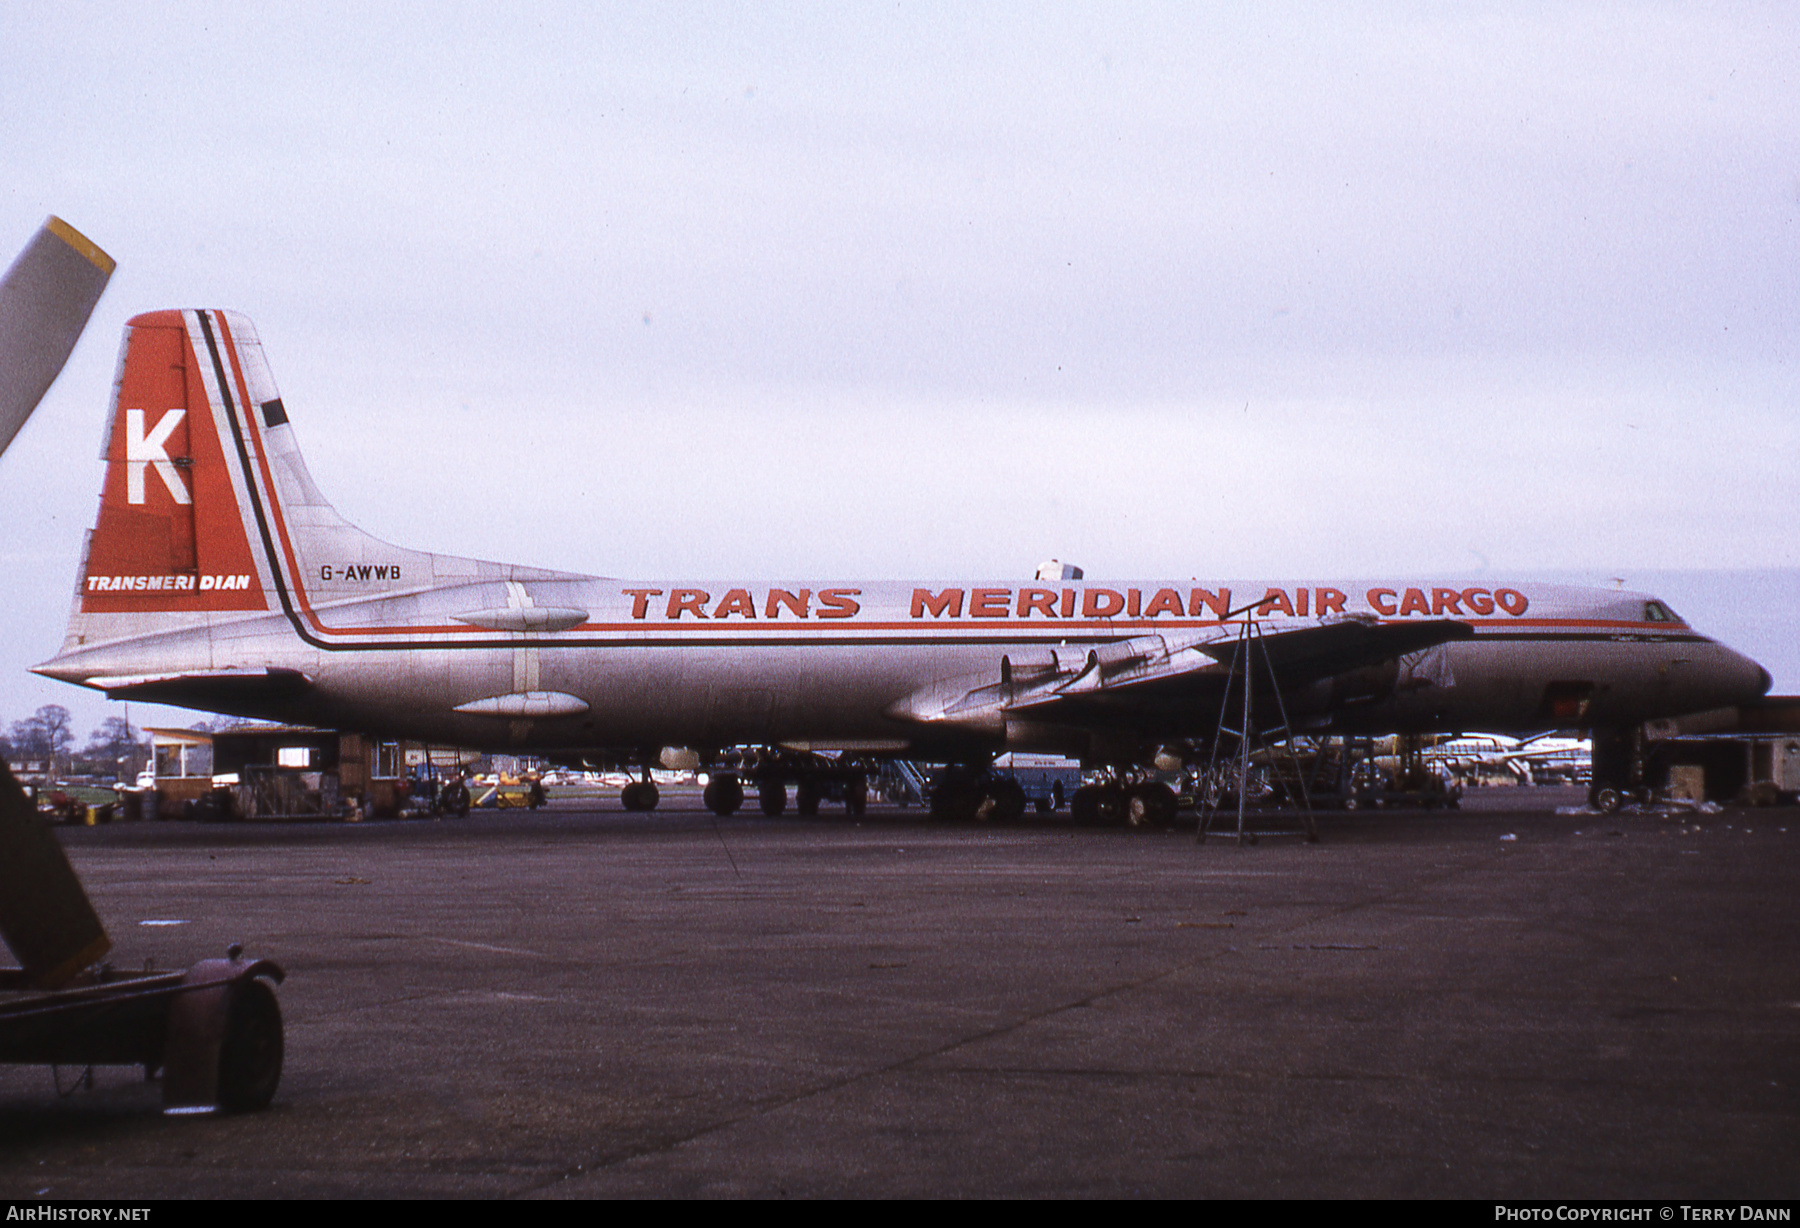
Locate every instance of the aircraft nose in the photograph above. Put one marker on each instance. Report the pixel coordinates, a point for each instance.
(1718, 677)
(1744, 679)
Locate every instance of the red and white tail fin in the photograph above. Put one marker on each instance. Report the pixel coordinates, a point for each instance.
(207, 510)
(171, 537)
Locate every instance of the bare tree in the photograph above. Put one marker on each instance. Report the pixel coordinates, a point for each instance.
(44, 735)
(117, 749)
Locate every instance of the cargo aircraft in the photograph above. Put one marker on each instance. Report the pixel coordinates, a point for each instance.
(218, 577)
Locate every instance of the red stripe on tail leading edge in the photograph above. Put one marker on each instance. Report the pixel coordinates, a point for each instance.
(170, 535)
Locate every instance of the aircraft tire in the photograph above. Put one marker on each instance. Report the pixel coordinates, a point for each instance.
(250, 1057)
(1084, 806)
(723, 796)
(647, 795)
(856, 797)
(771, 796)
(806, 798)
(1150, 805)
(1002, 801)
(956, 801)
(455, 799)
(628, 796)
(1014, 801)
(1110, 806)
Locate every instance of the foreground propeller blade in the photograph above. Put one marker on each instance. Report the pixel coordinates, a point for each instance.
(45, 300)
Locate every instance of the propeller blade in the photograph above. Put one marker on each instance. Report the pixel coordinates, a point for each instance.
(45, 300)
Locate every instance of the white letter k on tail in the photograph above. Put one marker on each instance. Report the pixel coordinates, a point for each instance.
(141, 450)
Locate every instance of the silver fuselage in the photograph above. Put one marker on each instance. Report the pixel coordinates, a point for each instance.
(219, 576)
(709, 664)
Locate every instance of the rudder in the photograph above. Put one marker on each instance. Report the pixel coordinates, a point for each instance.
(172, 535)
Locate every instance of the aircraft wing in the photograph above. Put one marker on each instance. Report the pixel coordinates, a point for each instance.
(1307, 654)
(1296, 658)
(45, 300)
(1153, 681)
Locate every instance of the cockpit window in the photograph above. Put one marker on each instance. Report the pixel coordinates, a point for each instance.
(1657, 612)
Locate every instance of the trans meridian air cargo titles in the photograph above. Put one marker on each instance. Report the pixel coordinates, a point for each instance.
(218, 577)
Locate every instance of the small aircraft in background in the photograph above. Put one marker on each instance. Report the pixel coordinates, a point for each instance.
(1532, 760)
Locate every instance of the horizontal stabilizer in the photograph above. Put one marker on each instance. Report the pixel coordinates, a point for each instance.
(219, 690)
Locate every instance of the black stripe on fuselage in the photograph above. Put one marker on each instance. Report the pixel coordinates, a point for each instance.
(1617, 637)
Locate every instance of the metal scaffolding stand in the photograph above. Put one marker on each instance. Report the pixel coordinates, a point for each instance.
(1272, 744)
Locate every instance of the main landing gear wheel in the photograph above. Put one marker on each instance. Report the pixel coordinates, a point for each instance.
(1002, 801)
(955, 799)
(1102, 805)
(455, 799)
(1099, 805)
(250, 1057)
(723, 795)
(856, 797)
(1150, 805)
(771, 796)
(640, 796)
(806, 798)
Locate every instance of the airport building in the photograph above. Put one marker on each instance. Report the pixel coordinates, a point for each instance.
(276, 772)
(1749, 754)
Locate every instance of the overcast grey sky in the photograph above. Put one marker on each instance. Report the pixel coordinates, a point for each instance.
(942, 291)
